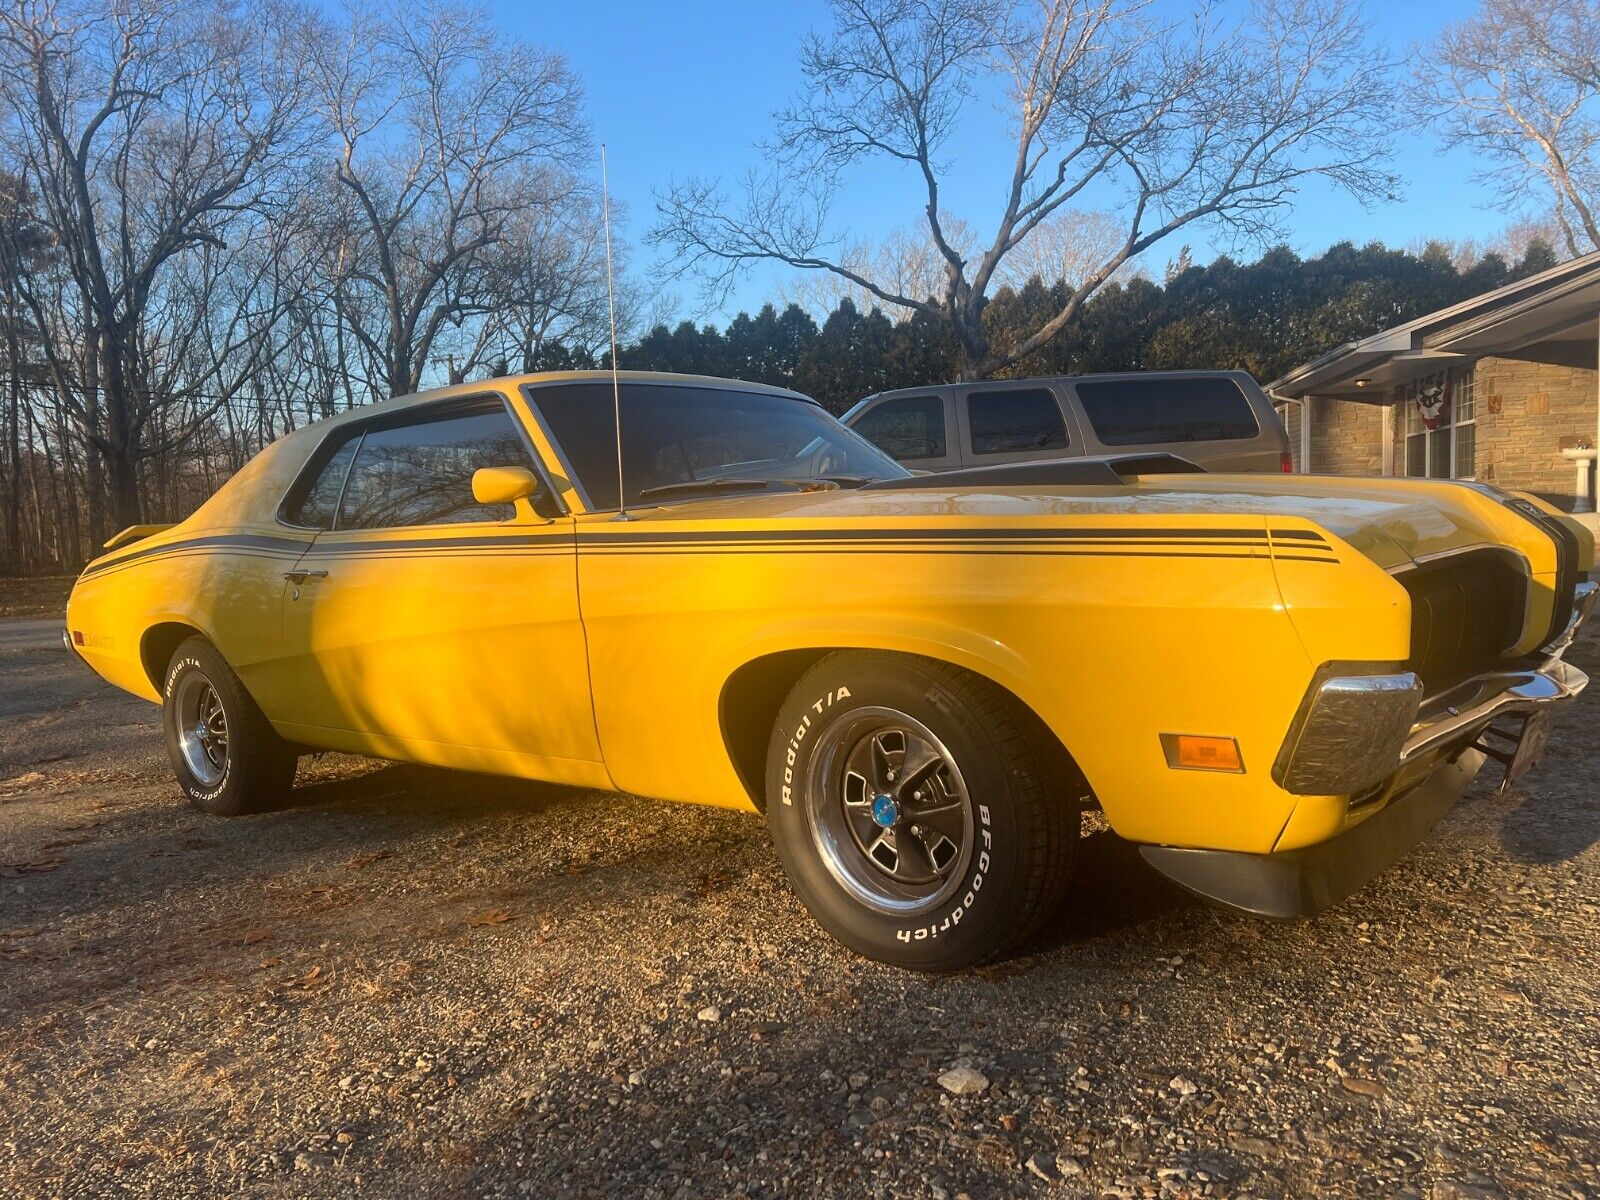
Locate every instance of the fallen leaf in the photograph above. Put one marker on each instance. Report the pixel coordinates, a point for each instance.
(493, 916)
(254, 937)
(362, 860)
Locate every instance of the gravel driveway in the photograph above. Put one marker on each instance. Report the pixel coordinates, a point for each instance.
(418, 983)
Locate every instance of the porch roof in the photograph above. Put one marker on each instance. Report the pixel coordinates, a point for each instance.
(1561, 304)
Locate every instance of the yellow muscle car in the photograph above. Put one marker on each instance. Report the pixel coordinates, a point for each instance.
(1276, 685)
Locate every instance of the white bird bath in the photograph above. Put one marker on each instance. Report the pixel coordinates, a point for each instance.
(1582, 457)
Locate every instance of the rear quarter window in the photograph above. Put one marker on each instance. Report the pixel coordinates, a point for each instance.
(1139, 412)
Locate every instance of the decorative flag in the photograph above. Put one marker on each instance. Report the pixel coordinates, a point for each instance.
(1433, 400)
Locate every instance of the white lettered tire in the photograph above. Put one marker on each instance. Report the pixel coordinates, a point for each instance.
(227, 757)
(922, 815)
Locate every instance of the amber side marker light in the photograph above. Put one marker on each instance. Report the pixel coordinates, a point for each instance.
(77, 637)
(1195, 752)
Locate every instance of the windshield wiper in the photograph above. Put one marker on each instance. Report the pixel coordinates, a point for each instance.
(745, 483)
(712, 483)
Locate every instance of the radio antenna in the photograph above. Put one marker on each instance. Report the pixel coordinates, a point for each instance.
(611, 305)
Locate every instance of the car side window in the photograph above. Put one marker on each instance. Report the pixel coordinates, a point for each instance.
(1015, 420)
(906, 427)
(421, 473)
(1135, 412)
(317, 504)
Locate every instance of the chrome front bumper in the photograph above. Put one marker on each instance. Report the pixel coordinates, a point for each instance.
(1304, 881)
(1464, 711)
(1357, 728)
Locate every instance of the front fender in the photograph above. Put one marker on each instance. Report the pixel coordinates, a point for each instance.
(1109, 650)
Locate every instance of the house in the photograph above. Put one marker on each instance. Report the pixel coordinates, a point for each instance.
(1503, 388)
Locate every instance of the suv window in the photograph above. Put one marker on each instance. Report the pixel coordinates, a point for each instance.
(316, 505)
(1136, 412)
(1014, 421)
(421, 473)
(906, 427)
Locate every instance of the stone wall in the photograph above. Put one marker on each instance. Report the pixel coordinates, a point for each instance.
(1346, 438)
(1528, 412)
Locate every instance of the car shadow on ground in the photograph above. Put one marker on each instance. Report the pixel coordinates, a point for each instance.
(1112, 890)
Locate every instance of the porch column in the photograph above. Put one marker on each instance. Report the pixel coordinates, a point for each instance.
(1387, 424)
(1305, 435)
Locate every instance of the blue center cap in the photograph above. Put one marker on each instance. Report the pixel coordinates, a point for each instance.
(885, 809)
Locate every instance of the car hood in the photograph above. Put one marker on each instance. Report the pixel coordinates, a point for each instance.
(1390, 521)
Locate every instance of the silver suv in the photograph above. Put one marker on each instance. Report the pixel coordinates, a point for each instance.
(1219, 420)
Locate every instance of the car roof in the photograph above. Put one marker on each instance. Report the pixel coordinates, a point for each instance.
(477, 387)
(1191, 373)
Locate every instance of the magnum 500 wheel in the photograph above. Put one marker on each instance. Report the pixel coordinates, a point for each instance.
(227, 757)
(913, 811)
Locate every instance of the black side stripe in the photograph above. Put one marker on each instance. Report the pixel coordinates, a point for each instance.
(518, 541)
(225, 541)
(1109, 540)
(1007, 534)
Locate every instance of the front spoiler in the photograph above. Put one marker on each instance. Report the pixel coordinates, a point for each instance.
(1301, 883)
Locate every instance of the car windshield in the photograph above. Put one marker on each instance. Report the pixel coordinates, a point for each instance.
(681, 441)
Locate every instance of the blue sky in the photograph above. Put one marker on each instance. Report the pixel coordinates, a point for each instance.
(687, 87)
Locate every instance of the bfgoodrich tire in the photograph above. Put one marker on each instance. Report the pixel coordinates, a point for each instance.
(921, 815)
(228, 759)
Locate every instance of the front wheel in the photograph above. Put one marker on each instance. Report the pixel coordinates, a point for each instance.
(921, 815)
(228, 758)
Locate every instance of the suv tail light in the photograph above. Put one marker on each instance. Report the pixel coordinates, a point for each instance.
(1286, 463)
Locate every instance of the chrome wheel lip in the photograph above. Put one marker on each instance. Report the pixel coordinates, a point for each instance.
(202, 728)
(841, 848)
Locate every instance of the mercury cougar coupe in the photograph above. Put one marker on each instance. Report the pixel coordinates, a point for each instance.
(1276, 685)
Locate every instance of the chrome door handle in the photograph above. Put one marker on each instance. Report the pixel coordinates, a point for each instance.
(298, 577)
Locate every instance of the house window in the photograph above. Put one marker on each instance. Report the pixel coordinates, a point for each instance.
(1464, 424)
(1449, 451)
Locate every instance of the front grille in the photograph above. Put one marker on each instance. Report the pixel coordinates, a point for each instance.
(1466, 611)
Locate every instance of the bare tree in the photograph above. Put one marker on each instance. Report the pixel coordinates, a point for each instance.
(438, 125)
(148, 132)
(905, 262)
(1519, 83)
(1192, 122)
(1067, 248)
(547, 282)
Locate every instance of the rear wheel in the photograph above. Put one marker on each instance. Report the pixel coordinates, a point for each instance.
(919, 812)
(228, 759)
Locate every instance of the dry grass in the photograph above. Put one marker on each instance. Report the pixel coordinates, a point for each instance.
(34, 596)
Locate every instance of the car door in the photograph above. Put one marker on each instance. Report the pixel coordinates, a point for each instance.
(915, 430)
(1013, 422)
(428, 626)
